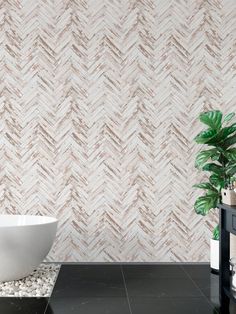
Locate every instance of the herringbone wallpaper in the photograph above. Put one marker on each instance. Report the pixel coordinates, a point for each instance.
(98, 110)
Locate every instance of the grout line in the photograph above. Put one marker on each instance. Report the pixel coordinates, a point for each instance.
(193, 281)
(126, 290)
(52, 289)
(196, 285)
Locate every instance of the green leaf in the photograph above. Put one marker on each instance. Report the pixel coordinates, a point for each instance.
(204, 155)
(212, 118)
(231, 169)
(232, 179)
(217, 181)
(213, 168)
(230, 154)
(210, 192)
(225, 132)
(205, 186)
(229, 117)
(216, 157)
(205, 136)
(203, 204)
(216, 233)
(222, 135)
(230, 141)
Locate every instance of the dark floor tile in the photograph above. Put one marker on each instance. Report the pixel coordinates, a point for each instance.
(214, 300)
(90, 281)
(154, 271)
(194, 306)
(205, 280)
(85, 305)
(208, 284)
(151, 305)
(161, 287)
(209, 287)
(159, 281)
(171, 306)
(197, 270)
(232, 308)
(23, 305)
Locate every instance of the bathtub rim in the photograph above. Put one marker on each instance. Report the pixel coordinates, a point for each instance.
(51, 220)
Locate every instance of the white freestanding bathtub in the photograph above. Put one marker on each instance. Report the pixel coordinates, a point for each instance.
(24, 243)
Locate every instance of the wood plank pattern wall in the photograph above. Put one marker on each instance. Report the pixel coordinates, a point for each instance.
(98, 107)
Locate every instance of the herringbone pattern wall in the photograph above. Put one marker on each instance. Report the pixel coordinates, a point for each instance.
(98, 107)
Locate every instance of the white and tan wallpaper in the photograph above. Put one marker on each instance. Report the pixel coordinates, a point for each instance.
(98, 110)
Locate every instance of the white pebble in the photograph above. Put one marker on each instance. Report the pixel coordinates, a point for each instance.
(40, 283)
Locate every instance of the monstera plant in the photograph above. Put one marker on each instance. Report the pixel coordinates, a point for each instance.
(219, 159)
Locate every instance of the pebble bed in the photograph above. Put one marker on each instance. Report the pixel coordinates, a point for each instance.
(39, 284)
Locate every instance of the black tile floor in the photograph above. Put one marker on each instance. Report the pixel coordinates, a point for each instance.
(127, 289)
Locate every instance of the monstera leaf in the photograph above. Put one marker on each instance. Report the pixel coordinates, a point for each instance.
(230, 154)
(212, 118)
(204, 155)
(221, 135)
(229, 117)
(206, 186)
(205, 203)
(217, 181)
(213, 168)
(225, 132)
(229, 141)
(231, 169)
(205, 136)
